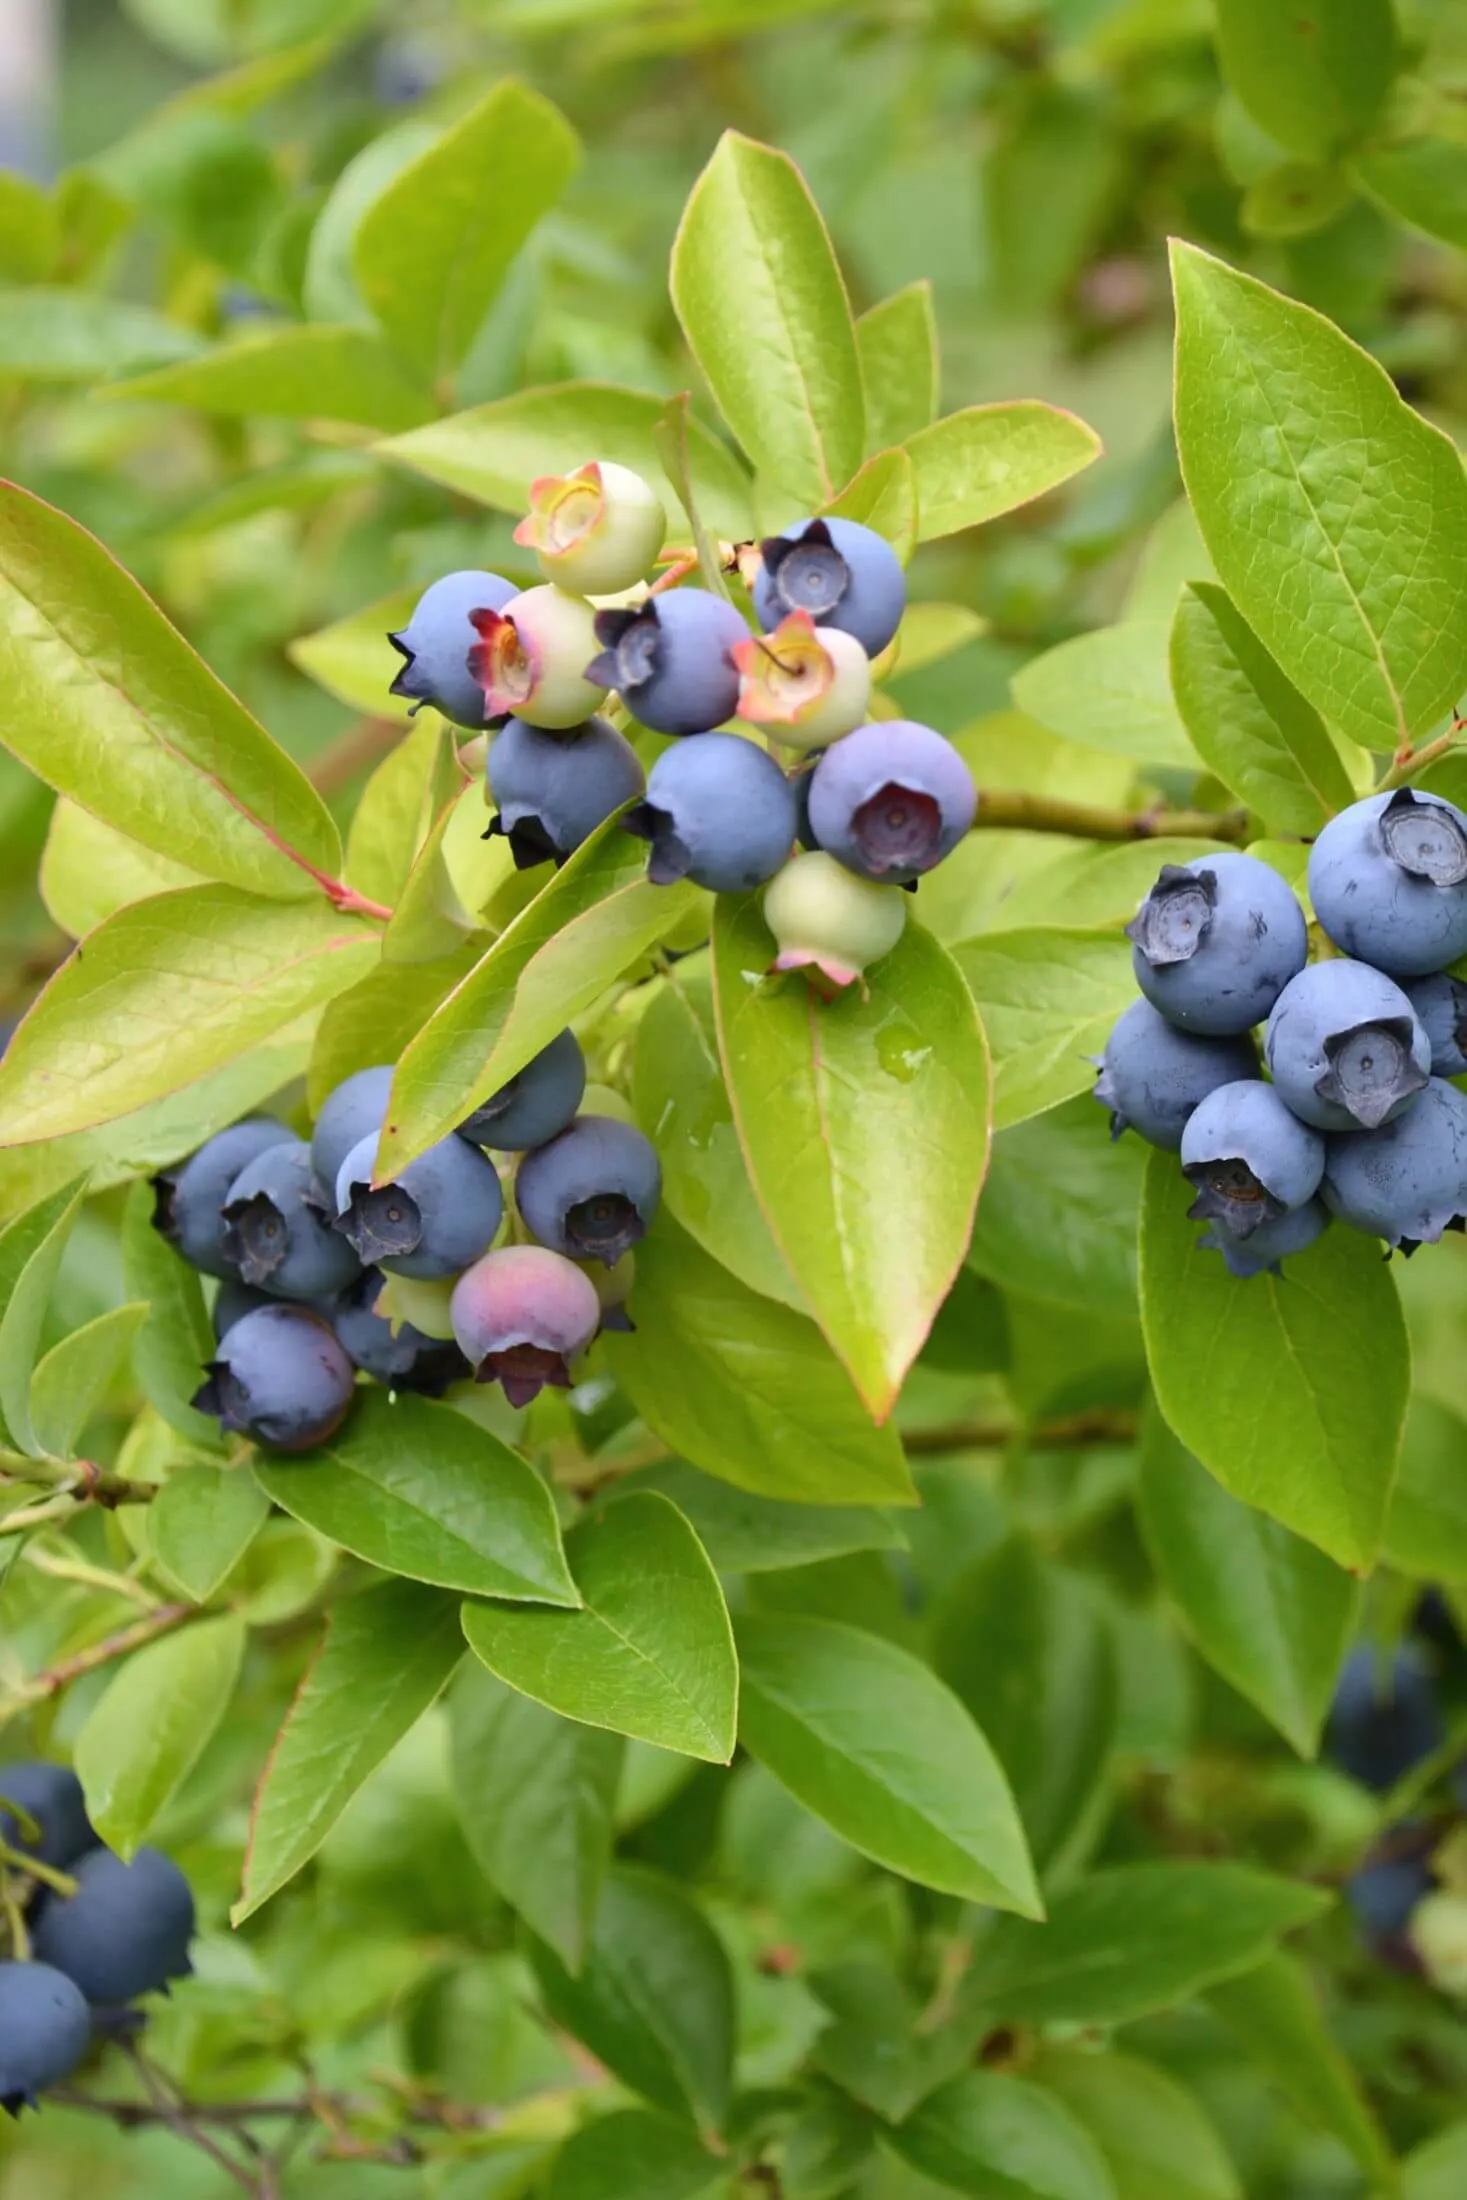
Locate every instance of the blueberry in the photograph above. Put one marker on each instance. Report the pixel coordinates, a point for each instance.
(530, 660)
(126, 1930)
(431, 1220)
(280, 1376)
(402, 1358)
(891, 800)
(534, 1105)
(552, 790)
(1216, 941)
(843, 574)
(1406, 1182)
(52, 1794)
(233, 1300)
(45, 2031)
(520, 1316)
(1345, 1047)
(358, 1105)
(1391, 1881)
(1385, 1717)
(1260, 1253)
(189, 1201)
(596, 530)
(276, 1228)
(804, 684)
(719, 812)
(1249, 1160)
(613, 1288)
(671, 660)
(829, 922)
(436, 642)
(591, 1192)
(1441, 1003)
(1388, 880)
(1152, 1076)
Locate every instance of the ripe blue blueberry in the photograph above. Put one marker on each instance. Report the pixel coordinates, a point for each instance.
(591, 1192)
(1406, 1182)
(1388, 880)
(1216, 941)
(126, 1930)
(891, 800)
(521, 1315)
(1345, 1047)
(280, 1376)
(1248, 1159)
(843, 574)
(403, 1358)
(233, 1300)
(45, 2031)
(52, 1795)
(1152, 1076)
(436, 642)
(188, 1201)
(1441, 1003)
(358, 1105)
(431, 1220)
(276, 1229)
(718, 811)
(552, 790)
(534, 1105)
(1385, 1717)
(1260, 1253)
(671, 660)
(1392, 1880)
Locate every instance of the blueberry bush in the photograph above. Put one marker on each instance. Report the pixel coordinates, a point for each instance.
(733, 1126)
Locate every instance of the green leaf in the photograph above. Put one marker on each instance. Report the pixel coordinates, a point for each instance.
(177, 1339)
(29, 229)
(1296, 199)
(1001, 2138)
(1048, 999)
(745, 1534)
(373, 1021)
(1276, 2016)
(1426, 1527)
(433, 249)
(293, 374)
(650, 1653)
(655, 2002)
(30, 1254)
(397, 809)
(757, 289)
(832, 1097)
(897, 343)
(1059, 1211)
(329, 290)
(1423, 183)
(1434, 2170)
(1249, 724)
(1268, 1610)
(1313, 81)
(494, 452)
(548, 1854)
(931, 631)
(1023, 1647)
(745, 1389)
(1110, 690)
(1293, 444)
(353, 660)
(89, 870)
(107, 703)
(202, 1522)
(633, 2152)
(976, 465)
(164, 992)
(384, 1657)
(74, 1377)
(1158, 2141)
(1092, 885)
(430, 921)
(1136, 1938)
(869, 1739)
(1290, 1389)
(145, 1734)
(79, 336)
(673, 437)
(883, 496)
(417, 1489)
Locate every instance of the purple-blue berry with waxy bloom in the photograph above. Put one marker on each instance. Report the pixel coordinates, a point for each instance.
(552, 790)
(1407, 1181)
(403, 1358)
(1153, 1076)
(358, 1105)
(845, 575)
(189, 1199)
(126, 1930)
(1441, 1003)
(276, 1227)
(437, 639)
(279, 1375)
(233, 1301)
(535, 1104)
(1394, 1878)
(52, 1796)
(1345, 1047)
(1216, 941)
(1248, 1159)
(432, 1219)
(520, 1316)
(671, 660)
(891, 800)
(1262, 1251)
(717, 811)
(1388, 880)
(1385, 1717)
(591, 1192)
(45, 2032)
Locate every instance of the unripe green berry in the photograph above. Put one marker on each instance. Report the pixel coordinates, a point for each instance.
(829, 921)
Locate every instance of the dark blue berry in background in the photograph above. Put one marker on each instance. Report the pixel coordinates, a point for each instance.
(280, 1376)
(277, 1227)
(404, 1358)
(1248, 1158)
(358, 1105)
(552, 790)
(534, 1105)
(126, 1930)
(45, 2031)
(845, 575)
(1216, 941)
(1385, 1717)
(436, 641)
(189, 1199)
(670, 660)
(718, 811)
(1153, 1076)
(1388, 880)
(53, 1796)
(591, 1192)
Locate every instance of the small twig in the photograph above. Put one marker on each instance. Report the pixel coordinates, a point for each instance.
(56, 1677)
(1099, 1425)
(363, 744)
(1001, 811)
(179, 2121)
(14, 1916)
(92, 1577)
(16, 1860)
(1408, 761)
(677, 572)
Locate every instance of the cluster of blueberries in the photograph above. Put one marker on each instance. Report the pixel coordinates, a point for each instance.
(1356, 1119)
(414, 1281)
(83, 1957)
(873, 803)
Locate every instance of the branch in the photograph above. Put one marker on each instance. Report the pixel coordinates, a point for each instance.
(1077, 1432)
(111, 1647)
(365, 743)
(1040, 813)
(180, 2121)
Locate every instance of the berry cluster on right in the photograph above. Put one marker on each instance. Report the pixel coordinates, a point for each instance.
(1349, 1116)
